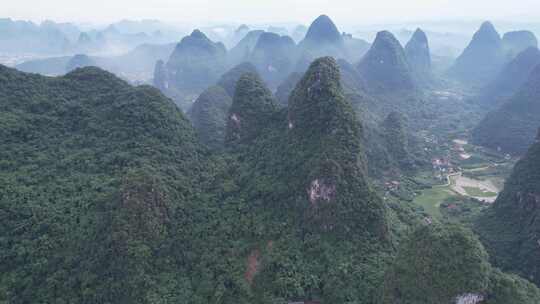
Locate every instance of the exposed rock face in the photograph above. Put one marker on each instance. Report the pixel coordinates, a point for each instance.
(253, 265)
(512, 77)
(79, 61)
(229, 79)
(323, 38)
(510, 226)
(320, 191)
(483, 58)
(418, 55)
(253, 104)
(274, 57)
(518, 41)
(512, 127)
(469, 298)
(324, 131)
(385, 66)
(209, 116)
(195, 64)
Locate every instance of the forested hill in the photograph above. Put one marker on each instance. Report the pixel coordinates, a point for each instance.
(94, 176)
(510, 227)
(107, 196)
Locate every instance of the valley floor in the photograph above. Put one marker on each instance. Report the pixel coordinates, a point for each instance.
(478, 176)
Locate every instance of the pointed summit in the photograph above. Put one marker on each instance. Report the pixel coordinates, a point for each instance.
(197, 34)
(325, 133)
(323, 39)
(194, 65)
(252, 106)
(323, 30)
(319, 89)
(487, 32)
(418, 55)
(385, 66)
(482, 59)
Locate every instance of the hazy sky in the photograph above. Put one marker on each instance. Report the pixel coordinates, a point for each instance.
(262, 11)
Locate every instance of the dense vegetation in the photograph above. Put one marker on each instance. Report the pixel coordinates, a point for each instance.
(209, 116)
(510, 80)
(448, 264)
(126, 206)
(108, 194)
(419, 57)
(512, 127)
(385, 66)
(96, 177)
(483, 58)
(196, 63)
(510, 227)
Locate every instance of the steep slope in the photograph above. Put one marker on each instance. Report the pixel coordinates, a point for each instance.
(274, 57)
(299, 33)
(230, 78)
(511, 78)
(448, 264)
(311, 207)
(324, 130)
(385, 67)
(209, 116)
(94, 174)
(209, 113)
(285, 89)
(510, 227)
(394, 129)
(241, 51)
(323, 39)
(351, 80)
(195, 64)
(518, 41)
(512, 127)
(483, 58)
(355, 48)
(253, 105)
(419, 57)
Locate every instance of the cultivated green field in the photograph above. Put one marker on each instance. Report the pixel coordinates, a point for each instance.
(432, 198)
